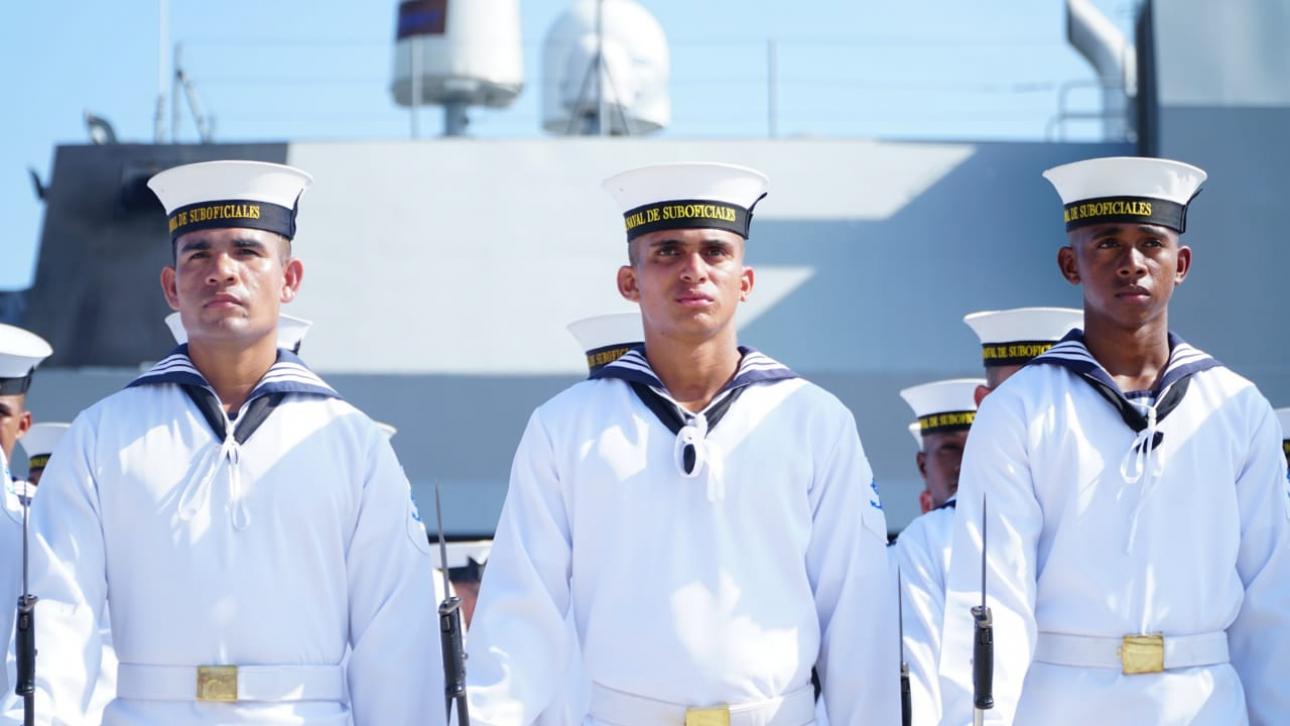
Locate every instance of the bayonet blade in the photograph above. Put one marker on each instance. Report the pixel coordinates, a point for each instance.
(900, 612)
(443, 545)
(983, 548)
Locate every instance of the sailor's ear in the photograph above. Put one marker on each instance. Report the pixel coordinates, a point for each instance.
(1067, 263)
(980, 393)
(627, 286)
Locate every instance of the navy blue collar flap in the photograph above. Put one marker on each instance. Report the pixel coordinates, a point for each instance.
(288, 375)
(1071, 353)
(754, 367)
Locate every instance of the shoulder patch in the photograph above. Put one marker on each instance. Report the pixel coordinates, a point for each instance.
(416, 529)
(873, 518)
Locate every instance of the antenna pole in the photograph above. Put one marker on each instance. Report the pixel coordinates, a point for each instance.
(163, 70)
(601, 120)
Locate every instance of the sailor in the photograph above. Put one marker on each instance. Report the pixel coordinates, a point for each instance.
(1012, 338)
(943, 411)
(38, 444)
(1138, 559)
(706, 515)
(246, 523)
(1009, 339)
(20, 352)
(291, 331)
(606, 338)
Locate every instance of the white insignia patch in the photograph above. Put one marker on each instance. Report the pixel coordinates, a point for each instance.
(416, 529)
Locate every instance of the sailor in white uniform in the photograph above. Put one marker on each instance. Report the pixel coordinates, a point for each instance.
(706, 516)
(38, 444)
(246, 523)
(1138, 552)
(1009, 339)
(20, 352)
(944, 411)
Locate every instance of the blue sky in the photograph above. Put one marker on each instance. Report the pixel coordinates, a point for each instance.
(313, 69)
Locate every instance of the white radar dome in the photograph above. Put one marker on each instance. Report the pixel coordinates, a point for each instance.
(633, 77)
(466, 52)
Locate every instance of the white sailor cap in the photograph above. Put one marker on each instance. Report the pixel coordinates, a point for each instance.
(1014, 337)
(1283, 417)
(1126, 189)
(943, 406)
(388, 430)
(605, 338)
(291, 330)
(245, 194)
(39, 442)
(916, 431)
(20, 352)
(466, 559)
(693, 195)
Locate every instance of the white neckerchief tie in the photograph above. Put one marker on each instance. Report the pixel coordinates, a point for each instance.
(197, 494)
(1140, 463)
(693, 434)
(707, 458)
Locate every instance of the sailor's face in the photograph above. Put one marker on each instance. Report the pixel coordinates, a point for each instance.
(689, 282)
(229, 284)
(939, 463)
(1128, 271)
(15, 419)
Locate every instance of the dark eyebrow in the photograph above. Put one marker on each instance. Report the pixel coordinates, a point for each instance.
(5, 410)
(706, 242)
(195, 245)
(665, 241)
(243, 243)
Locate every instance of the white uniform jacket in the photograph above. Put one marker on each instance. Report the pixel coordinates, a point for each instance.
(724, 587)
(922, 555)
(1095, 532)
(276, 551)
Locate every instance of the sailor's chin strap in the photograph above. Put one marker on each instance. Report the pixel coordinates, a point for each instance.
(197, 492)
(1141, 463)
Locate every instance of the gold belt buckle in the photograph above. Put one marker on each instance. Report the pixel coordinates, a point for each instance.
(1142, 654)
(715, 716)
(217, 684)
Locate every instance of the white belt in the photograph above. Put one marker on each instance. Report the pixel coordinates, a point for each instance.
(228, 684)
(1133, 654)
(610, 706)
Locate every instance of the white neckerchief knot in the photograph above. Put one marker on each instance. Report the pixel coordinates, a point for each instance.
(693, 434)
(1140, 463)
(197, 493)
